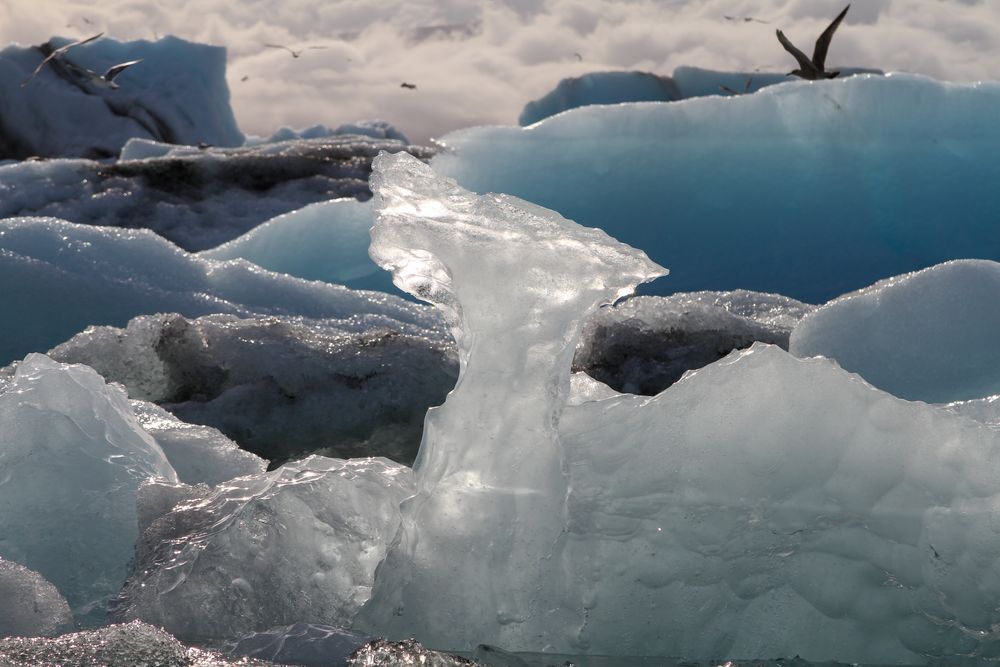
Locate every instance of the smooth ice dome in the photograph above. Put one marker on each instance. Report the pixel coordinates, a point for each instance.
(71, 459)
(929, 336)
(29, 605)
(299, 544)
(281, 387)
(807, 189)
(71, 276)
(177, 94)
(644, 344)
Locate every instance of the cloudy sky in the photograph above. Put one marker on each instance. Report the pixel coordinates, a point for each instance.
(476, 62)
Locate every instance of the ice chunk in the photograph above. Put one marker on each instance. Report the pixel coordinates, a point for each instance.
(303, 644)
(644, 344)
(930, 335)
(514, 281)
(195, 197)
(376, 129)
(407, 652)
(985, 410)
(324, 241)
(177, 94)
(198, 454)
(299, 544)
(29, 605)
(126, 645)
(71, 458)
(772, 191)
(72, 276)
(281, 387)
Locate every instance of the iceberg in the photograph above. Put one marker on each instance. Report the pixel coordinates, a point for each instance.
(71, 276)
(281, 387)
(177, 94)
(762, 505)
(196, 197)
(299, 544)
(928, 336)
(807, 189)
(29, 605)
(301, 644)
(72, 457)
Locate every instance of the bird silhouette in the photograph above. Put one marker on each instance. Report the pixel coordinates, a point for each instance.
(106, 80)
(295, 53)
(411, 86)
(59, 53)
(815, 68)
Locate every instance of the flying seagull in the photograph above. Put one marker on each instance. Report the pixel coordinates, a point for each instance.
(813, 69)
(295, 54)
(745, 19)
(411, 86)
(746, 88)
(106, 80)
(59, 53)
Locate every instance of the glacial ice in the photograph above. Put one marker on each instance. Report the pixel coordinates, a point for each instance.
(29, 605)
(762, 505)
(71, 458)
(299, 544)
(930, 335)
(807, 189)
(280, 387)
(69, 276)
(177, 94)
(301, 644)
(644, 344)
(467, 564)
(324, 241)
(195, 197)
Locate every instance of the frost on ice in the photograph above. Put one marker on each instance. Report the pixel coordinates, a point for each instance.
(762, 505)
(72, 457)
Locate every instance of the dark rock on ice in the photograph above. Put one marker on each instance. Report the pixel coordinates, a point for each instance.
(645, 344)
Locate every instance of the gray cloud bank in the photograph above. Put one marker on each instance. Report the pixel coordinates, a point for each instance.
(475, 62)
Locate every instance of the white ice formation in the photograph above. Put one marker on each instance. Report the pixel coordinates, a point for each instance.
(72, 456)
(281, 387)
(72, 276)
(772, 191)
(177, 94)
(762, 505)
(644, 344)
(298, 544)
(29, 605)
(930, 335)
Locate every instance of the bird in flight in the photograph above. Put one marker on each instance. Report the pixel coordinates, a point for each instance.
(295, 53)
(106, 80)
(411, 86)
(745, 19)
(814, 69)
(59, 53)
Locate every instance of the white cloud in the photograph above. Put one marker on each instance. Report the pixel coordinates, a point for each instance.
(478, 63)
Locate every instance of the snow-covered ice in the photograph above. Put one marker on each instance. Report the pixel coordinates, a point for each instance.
(930, 336)
(177, 94)
(29, 605)
(299, 544)
(70, 276)
(72, 456)
(281, 387)
(807, 189)
(644, 344)
(197, 198)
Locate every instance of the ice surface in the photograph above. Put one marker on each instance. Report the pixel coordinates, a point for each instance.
(930, 335)
(71, 458)
(280, 387)
(618, 87)
(299, 544)
(985, 410)
(490, 481)
(807, 189)
(644, 344)
(29, 605)
(324, 241)
(126, 645)
(380, 652)
(71, 276)
(763, 505)
(376, 129)
(198, 454)
(303, 644)
(177, 94)
(197, 198)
